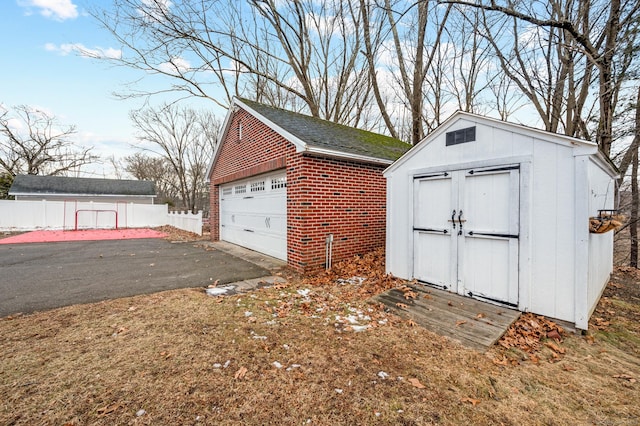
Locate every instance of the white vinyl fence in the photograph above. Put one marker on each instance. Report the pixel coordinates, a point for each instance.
(28, 215)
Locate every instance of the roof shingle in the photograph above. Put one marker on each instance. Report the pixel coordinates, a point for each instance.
(62, 185)
(323, 134)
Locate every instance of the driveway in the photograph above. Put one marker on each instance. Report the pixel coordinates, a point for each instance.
(40, 276)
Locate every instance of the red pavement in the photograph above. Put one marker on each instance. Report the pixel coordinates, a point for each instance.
(86, 235)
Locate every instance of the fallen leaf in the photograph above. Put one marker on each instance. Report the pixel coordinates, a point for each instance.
(567, 367)
(449, 303)
(553, 334)
(416, 383)
(108, 409)
(471, 401)
(411, 323)
(555, 347)
(427, 296)
(460, 322)
(481, 315)
(502, 361)
(401, 305)
(410, 295)
(240, 373)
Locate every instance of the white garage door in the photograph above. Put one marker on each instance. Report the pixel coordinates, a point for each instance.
(253, 213)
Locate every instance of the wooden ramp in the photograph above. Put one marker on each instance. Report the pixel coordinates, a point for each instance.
(473, 323)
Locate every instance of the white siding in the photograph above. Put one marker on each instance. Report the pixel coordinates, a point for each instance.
(601, 197)
(552, 232)
(562, 268)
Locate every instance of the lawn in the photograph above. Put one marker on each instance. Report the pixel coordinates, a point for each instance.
(312, 351)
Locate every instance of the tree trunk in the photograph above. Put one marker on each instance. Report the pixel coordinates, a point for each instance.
(633, 220)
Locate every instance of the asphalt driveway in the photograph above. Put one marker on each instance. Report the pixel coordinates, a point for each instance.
(35, 277)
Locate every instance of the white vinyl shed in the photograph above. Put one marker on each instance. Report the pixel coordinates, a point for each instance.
(500, 212)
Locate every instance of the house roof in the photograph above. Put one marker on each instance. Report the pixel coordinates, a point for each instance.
(319, 136)
(62, 185)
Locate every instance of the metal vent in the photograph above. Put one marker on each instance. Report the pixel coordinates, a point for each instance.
(461, 136)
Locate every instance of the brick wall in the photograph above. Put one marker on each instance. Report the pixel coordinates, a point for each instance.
(324, 196)
(333, 197)
(260, 150)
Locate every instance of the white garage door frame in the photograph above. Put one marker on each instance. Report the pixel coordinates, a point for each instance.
(253, 213)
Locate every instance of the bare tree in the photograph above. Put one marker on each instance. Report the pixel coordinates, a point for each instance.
(303, 53)
(185, 139)
(594, 37)
(415, 52)
(143, 166)
(33, 142)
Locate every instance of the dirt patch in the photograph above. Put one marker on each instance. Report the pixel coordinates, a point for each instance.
(304, 352)
(175, 234)
(9, 234)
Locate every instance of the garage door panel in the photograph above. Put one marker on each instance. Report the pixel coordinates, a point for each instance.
(253, 214)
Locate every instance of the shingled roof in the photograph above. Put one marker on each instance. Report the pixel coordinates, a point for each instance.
(322, 136)
(62, 185)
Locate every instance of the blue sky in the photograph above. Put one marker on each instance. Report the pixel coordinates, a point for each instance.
(40, 68)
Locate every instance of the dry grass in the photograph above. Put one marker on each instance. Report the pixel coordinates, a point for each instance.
(186, 358)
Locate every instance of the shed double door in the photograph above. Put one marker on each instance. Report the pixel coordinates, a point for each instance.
(466, 230)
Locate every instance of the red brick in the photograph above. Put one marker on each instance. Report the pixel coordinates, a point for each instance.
(324, 196)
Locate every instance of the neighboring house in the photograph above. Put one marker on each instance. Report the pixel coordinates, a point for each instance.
(298, 188)
(500, 212)
(62, 188)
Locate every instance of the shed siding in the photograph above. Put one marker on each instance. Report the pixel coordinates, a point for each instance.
(562, 268)
(492, 146)
(552, 231)
(88, 198)
(601, 197)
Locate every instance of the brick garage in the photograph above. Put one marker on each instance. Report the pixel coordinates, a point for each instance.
(334, 185)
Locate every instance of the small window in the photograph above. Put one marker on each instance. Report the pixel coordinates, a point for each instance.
(461, 136)
(257, 186)
(240, 189)
(280, 182)
(226, 191)
(239, 130)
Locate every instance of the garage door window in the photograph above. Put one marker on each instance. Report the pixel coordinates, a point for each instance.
(240, 189)
(226, 191)
(280, 182)
(257, 186)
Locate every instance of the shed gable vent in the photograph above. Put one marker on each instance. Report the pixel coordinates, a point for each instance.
(461, 136)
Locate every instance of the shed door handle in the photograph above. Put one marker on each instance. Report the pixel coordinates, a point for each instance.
(460, 222)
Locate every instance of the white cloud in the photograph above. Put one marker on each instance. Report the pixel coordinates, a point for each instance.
(176, 64)
(78, 48)
(155, 9)
(54, 9)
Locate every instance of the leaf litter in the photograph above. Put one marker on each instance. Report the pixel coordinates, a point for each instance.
(312, 333)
